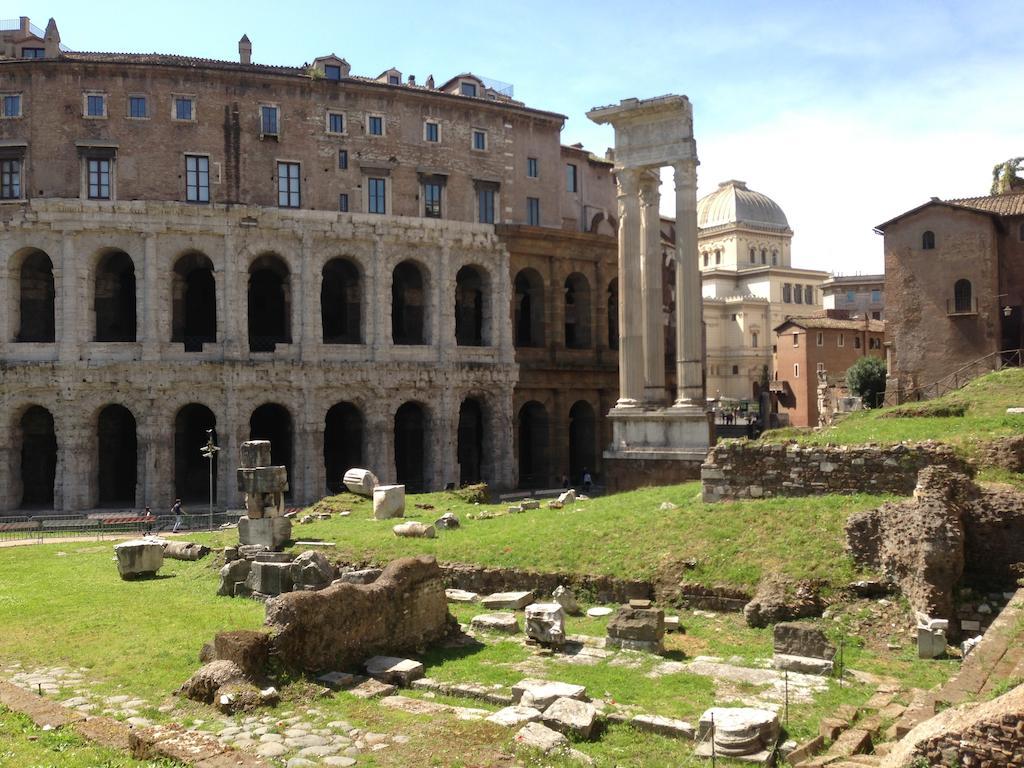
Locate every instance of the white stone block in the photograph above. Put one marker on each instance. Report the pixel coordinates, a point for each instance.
(515, 601)
(542, 693)
(391, 669)
(496, 622)
(514, 715)
(360, 482)
(388, 501)
(139, 557)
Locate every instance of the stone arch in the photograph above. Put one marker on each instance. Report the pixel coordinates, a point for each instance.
(529, 308)
(269, 304)
(471, 441)
(114, 297)
(928, 240)
(472, 307)
(341, 302)
(408, 304)
(343, 443)
(38, 470)
(193, 302)
(582, 439)
(191, 469)
(577, 311)
(410, 446)
(273, 422)
(36, 321)
(613, 313)
(117, 460)
(533, 443)
(595, 222)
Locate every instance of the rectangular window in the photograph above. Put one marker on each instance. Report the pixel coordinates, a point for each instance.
(375, 125)
(335, 122)
(99, 179)
(856, 342)
(288, 193)
(570, 178)
(468, 89)
(876, 295)
(343, 202)
(137, 107)
(876, 315)
(808, 294)
(332, 71)
(33, 53)
(268, 121)
(10, 179)
(735, 370)
(479, 139)
(12, 105)
(841, 341)
(485, 204)
(533, 211)
(796, 339)
(393, 80)
(343, 159)
(431, 132)
(432, 200)
(95, 105)
(796, 370)
(821, 367)
(798, 294)
(531, 167)
(787, 293)
(850, 297)
(377, 195)
(184, 108)
(821, 339)
(197, 178)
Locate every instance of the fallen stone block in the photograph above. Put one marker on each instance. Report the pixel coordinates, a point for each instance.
(360, 481)
(206, 681)
(388, 501)
(829, 728)
(310, 571)
(337, 681)
(515, 601)
(793, 638)
(805, 664)
(232, 573)
(672, 624)
(526, 504)
(567, 497)
(248, 649)
(565, 598)
(448, 522)
(663, 726)
(270, 578)
(185, 550)
(391, 669)
(363, 576)
(461, 596)
(372, 689)
(571, 717)
(138, 557)
(496, 622)
(515, 715)
(637, 629)
(540, 694)
(855, 741)
(545, 623)
(537, 736)
(414, 530)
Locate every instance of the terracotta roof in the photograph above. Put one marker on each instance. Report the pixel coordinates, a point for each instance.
(873, 326)
(1004, 205)
(173, 60)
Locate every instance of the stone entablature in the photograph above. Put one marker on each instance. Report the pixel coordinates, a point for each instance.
(747, 470)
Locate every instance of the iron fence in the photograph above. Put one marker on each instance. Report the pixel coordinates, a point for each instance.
(996, 361)
(101, 525)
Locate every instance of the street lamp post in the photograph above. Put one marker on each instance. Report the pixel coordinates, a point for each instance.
(209, 451)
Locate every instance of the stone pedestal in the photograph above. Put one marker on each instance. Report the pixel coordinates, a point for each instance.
(138, 558)
(264, 487)
(270, 532)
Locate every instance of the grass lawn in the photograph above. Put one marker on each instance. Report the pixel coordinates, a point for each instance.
(983, 405)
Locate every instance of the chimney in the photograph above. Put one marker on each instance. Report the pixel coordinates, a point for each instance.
(245, 50)
(51, 40)
(24, 25)
(412, 79)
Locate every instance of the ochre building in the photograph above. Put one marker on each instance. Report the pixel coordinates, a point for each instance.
(375, 271)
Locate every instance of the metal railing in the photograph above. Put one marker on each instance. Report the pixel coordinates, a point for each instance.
(994, 361)
(100, 525)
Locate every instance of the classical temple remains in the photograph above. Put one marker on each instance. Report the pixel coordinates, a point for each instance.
(655, 441)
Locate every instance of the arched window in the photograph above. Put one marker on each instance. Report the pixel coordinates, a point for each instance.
(410, 446)
(117, 457)
(718, 256)
(753, 256)
(775, 258)
(408, 300)
(114, 301)
(928, 240)
(36, 299)
(269, 304)
(193, 302)
(534, 469)
(705, 258)
(191, 469)
(469, 308)
(753, 339)
(962, 296)
(343, 443)
(470, 448)
(340, 303)
(764, 255)
(529, 309)
(577, 311)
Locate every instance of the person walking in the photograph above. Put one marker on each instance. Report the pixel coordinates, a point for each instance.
(587, 480)
(179, 517)
(148, 521)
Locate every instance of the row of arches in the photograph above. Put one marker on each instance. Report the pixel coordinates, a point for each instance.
(117, 448)
(534, 438)
(577, 302)
(269, 294)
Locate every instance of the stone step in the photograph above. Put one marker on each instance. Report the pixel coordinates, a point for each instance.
(855, 741)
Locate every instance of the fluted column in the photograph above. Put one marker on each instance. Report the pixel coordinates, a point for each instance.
(631, 343)
(689, 304)
(654, 332)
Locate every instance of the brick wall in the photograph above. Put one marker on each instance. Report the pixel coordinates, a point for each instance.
(745, 470)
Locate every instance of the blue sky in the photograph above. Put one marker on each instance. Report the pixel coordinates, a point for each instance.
(845, 113)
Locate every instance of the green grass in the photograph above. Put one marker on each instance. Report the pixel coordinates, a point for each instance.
(623, 535)
(23, 745)
(983, 403)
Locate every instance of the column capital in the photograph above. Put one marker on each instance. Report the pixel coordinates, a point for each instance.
(650, 181)
(685, 174)
(627, 180)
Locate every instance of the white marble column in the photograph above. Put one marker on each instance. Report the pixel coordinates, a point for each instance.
(689, 304)
(631, 350)
(654, 332)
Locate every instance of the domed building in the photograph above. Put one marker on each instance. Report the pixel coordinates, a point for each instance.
(750, 287)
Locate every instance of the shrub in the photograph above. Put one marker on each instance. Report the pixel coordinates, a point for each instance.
(866, 378)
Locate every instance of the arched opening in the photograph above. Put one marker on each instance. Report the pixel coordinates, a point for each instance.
(343, 443)
(36, 299)
(194, 302)
(273, 422)
(407, 305)
(340, 303)
(191, 469)
(115, 298)
(534, 471)
(269, 304)
(577, 311)
(410, 433)
(962, 296)
(928, 240)
(118, 451)
(471, 441)
(613, 314)
(582, 439)
(529, 309)
(469, 308)
(38, 458)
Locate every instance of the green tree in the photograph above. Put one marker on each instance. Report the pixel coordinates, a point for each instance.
(866, 378)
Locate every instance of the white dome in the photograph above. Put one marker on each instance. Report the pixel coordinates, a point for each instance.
(733, 203)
